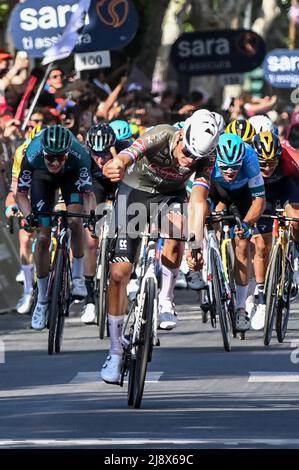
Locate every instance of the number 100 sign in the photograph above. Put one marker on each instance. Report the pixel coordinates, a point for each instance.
(92, 60)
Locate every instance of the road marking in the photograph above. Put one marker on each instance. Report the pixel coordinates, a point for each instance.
(273, 377)
(250, 442)
(89, 377)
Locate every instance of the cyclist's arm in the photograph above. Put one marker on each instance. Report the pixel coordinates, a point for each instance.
(198, 206)
(257, 190)
(23, 187)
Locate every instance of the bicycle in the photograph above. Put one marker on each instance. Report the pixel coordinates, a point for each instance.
(219, 300)
(279, 278)
(59, 291)
(103, 267)
(139, 335)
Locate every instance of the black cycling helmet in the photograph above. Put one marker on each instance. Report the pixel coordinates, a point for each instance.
(56, 140)
(100, 137)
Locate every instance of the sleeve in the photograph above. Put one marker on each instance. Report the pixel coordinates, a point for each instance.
(149, 143)
(25, 176)
(253, 172)
(84, 182)
(203, 173)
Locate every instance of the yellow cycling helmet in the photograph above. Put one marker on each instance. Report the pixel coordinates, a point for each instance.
(243, 128)
(35, 131)
(267, 146)
(135, 130)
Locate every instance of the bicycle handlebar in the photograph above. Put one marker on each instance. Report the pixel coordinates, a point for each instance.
(280, 217)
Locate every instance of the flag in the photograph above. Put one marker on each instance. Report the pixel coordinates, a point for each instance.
(64, 46)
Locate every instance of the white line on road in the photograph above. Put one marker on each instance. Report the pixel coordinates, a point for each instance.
(250, 442)
(273, 377)
(89, 377)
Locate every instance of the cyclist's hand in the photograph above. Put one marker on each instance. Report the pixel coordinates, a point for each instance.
(29, 223)
(194, 260)
(11, 210)
(244, 233)
(114, 170)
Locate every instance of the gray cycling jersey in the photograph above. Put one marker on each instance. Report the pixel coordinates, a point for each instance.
(156, 170)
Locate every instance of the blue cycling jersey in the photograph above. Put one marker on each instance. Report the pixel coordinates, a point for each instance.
(249, 173)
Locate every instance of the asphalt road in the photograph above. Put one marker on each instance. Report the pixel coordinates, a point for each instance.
(197, 395)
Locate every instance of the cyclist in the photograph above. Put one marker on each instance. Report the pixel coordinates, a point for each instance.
(101, 140)
(263, 123)
(243, 128)
(236, 179)
(274, 159)
(122, 130)
(54, 159)
(161, 161)
(25, 239)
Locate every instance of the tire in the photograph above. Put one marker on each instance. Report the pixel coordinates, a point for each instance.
(229, 258)
(220, 302)
(64, 310)
(271, 290)
(143, 348)
(103, 285)
(55, 303)
(283, 308)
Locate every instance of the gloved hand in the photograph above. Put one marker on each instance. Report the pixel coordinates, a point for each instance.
(29, 223)
(245, 233)
(11, 210)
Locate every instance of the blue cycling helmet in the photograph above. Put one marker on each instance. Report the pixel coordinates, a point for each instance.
(122, 129)
(100, 137)
(56, 140)
(230, 150)
(179, 124)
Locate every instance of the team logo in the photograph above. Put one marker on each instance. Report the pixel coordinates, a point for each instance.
(113, 12)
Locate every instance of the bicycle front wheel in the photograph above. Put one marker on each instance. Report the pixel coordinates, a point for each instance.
(143, 346)
(64, 305)
(103, 286)
(271, 289)
(283, 307)
(55, 302)
(220, 301)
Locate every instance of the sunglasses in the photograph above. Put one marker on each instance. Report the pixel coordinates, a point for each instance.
(52, 158)
(270, 164)
(36, 120)
(228, 168)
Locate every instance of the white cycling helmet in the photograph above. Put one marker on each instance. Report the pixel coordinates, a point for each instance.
(263, 123)
(220, 122)
(201, 133)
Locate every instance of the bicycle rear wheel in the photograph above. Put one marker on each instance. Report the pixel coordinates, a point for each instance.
(143, 347)
(283, 307)
(220, 301)
(55, 302)
(271, 289)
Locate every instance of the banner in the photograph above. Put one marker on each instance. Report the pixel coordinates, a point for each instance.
(36, 26)
(65, 45)
(218, 52)
(281, 68)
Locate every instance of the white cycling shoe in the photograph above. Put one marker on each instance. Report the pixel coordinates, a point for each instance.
(39, 317)
(24, 304)
(258, 319)
(89, 314)
(242, 320)
(110, 372)
(195, 281)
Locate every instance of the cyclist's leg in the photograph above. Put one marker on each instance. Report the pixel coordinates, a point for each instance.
(121, 268)
(42, 198)
(74, 203)
(25, 243)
